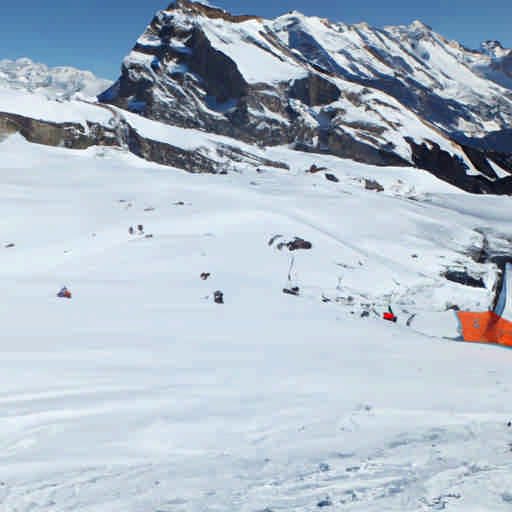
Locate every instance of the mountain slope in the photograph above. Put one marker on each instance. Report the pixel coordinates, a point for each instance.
(142, 394)
(379, 96)
(79, 125)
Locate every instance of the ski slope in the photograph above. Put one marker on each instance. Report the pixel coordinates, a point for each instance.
(140, 394)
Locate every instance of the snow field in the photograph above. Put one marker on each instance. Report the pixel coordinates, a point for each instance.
(38, 106)
(142, 394)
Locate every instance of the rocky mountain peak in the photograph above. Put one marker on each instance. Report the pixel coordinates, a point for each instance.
(204, 9)
(399, 96)
(491, 45)
(494, 49)
(419, 26)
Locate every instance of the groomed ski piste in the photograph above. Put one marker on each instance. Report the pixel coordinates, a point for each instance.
(141, 394)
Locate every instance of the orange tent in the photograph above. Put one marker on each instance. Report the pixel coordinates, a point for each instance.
(491, 326)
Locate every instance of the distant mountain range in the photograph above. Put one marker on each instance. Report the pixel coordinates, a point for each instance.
(402, 95)
(55, 83)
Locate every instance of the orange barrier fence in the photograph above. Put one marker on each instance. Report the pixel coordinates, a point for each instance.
(485, 327)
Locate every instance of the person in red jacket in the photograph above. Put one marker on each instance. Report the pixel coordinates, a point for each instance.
(389, 315)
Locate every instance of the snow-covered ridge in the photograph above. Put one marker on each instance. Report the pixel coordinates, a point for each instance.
(494, 49)
(55, 83)
(37, 105)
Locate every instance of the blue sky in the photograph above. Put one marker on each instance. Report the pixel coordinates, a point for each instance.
(96, 35)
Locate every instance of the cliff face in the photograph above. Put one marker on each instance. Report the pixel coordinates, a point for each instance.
(68, 135)
(106, 126)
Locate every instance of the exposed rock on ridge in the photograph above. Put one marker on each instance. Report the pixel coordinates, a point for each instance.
(121, 134)
(209, 11)
(68, 135)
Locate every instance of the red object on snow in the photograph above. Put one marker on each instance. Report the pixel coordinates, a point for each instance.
(64, 293)
(389, 316)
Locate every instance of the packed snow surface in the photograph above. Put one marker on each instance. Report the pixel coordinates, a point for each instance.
(256, 59)
(38, 106)
(140, 394)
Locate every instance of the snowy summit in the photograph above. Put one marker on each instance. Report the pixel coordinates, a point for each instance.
(55, 83)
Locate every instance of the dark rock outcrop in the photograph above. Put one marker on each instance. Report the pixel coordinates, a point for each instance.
(462, 277)
(209, 11)
(220, 75)
(159, 152)
(344, 145)
(451, 168)
(294, 290)
(373, 185)
(314, 90)
(292, 245)
(298, 243)
(69, 135)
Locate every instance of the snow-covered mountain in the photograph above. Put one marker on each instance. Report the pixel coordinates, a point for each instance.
(55, 83)
(355, 91)
(399, 96)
